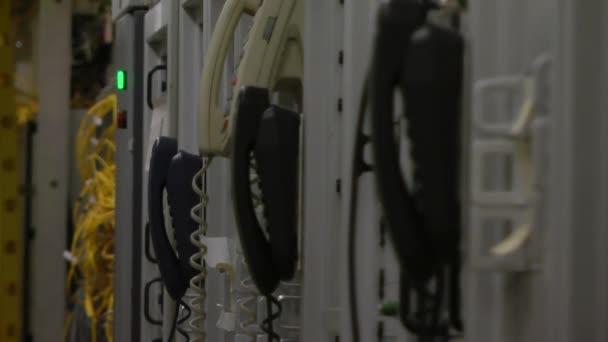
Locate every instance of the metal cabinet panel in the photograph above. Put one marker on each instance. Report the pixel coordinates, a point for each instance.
(323, 252)
(505, 39)
(128, 245)
(582, 224)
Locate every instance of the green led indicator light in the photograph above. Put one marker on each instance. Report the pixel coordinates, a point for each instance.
(389, 308)
(121, 80)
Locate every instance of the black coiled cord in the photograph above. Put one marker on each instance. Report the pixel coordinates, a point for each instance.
(184, 319)
(426, 320)
(268, 322)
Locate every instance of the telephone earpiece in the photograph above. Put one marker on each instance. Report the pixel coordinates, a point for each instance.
(276, 153)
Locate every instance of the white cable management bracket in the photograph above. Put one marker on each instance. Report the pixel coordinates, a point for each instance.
(508, 165)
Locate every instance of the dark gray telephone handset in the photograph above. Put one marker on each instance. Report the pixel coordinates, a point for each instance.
(424, 62)
(271, 134)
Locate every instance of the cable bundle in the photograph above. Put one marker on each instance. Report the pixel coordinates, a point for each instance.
(92, 249)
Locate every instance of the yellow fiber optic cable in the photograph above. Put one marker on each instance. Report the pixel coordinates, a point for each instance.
(92, 247)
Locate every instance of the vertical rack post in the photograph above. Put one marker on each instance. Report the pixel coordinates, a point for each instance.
(323, 196)
(11, 237)
(50, 174)
(128, 57)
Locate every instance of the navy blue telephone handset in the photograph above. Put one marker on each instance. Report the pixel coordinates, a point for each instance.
(173, 171)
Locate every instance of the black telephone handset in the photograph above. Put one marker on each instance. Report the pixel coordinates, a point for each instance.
(272, 135)
(398, 20)
(425, 63)
(174, 172)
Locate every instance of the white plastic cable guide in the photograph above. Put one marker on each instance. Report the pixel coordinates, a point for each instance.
(220, 251)
(227, 321)
(508, 164)
(221, 254)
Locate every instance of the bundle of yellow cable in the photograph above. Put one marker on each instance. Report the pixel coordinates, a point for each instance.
(90, 278)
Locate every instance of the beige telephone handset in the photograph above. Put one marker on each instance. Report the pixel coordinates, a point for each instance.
(272, 56)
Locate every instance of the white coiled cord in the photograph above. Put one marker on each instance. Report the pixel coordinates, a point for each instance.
(256, 192)
(197, 261)
(248, 304)
(248, 294)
